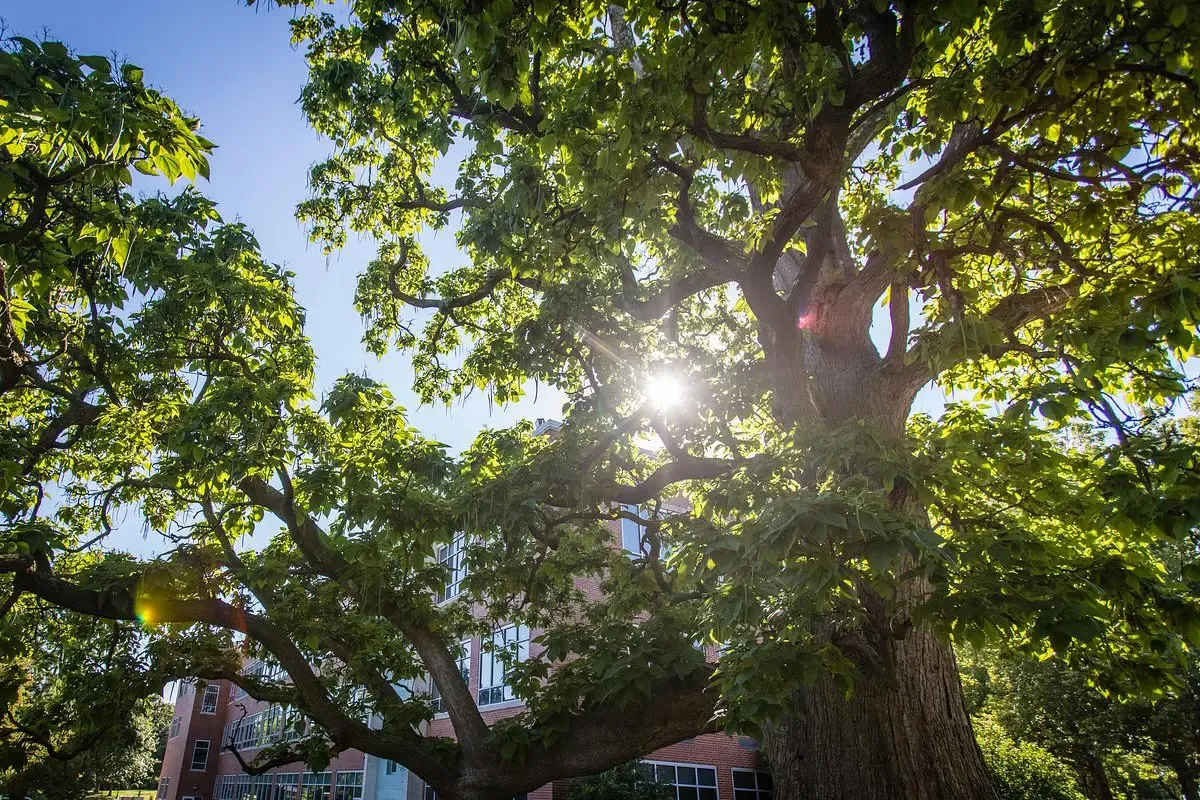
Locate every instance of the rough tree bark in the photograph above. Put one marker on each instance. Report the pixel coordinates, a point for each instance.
(904, 734)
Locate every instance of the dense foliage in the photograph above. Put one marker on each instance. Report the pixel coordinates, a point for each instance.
(746, 234)
(1112, 746)
(798, 215)
(1023, 771)
(80, 711)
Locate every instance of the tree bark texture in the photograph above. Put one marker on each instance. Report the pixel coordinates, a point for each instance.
(904, 735)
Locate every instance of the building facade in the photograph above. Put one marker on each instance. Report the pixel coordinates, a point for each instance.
(197, 766)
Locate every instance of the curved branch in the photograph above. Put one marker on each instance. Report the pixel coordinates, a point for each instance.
(125, 603)
(309, 538)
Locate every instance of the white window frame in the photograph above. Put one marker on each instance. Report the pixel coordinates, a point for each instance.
(207, 752)
(354, 780)
(494, 685)
(175, 725)
(757, 790)
(632, 533)
(164, 786)
(327, 786)
(716, 787)
(288, 780)
(464, 669)
(452, 556)
(213, 691)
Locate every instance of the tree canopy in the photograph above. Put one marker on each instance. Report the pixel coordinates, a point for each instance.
(740, 237)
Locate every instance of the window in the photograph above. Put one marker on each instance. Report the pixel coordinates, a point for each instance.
(391, 768)
(209, 704)
(275, 723)
(349, 786)
(631, 532)
(691, 781)
(200, 755)
(261, 670)
(464, 669)
(751, 785)
(315, 786)
(287, 786)
(453, 557)
(508, 646)
(244, 787)
(175, 723)
(163, 786)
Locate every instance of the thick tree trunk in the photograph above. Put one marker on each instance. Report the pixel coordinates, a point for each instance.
(902, 735)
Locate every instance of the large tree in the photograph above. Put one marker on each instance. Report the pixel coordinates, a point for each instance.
(688, 216)
(700, 196)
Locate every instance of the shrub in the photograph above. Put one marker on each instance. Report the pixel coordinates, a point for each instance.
(1022, 770)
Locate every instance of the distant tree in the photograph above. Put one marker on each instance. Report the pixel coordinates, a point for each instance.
(1116, 747)
(80, 710)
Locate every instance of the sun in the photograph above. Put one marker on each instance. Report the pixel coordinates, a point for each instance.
(664, 391)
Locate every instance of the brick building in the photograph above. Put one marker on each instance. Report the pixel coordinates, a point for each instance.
(197, 767)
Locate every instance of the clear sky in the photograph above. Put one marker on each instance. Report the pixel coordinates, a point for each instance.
(235, 69)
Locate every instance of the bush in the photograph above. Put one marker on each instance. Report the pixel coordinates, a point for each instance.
(632, 781)
(1022, 770)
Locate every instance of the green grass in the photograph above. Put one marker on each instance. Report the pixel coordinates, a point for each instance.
(141, 794)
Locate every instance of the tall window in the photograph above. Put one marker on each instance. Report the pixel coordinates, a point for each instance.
(315, 786)
(175, 727)
(507, 646)
(690, 781)
(200, 755)
(208, 705)
(163, 786)
(287, 786)
(751, 785)
(453, 557)
(349, 786)
(464, 669)
(631, 532)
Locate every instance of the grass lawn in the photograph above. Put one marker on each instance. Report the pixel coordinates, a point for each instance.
(141, 794)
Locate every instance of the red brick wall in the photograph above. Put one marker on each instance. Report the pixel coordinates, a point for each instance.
(194, 726)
